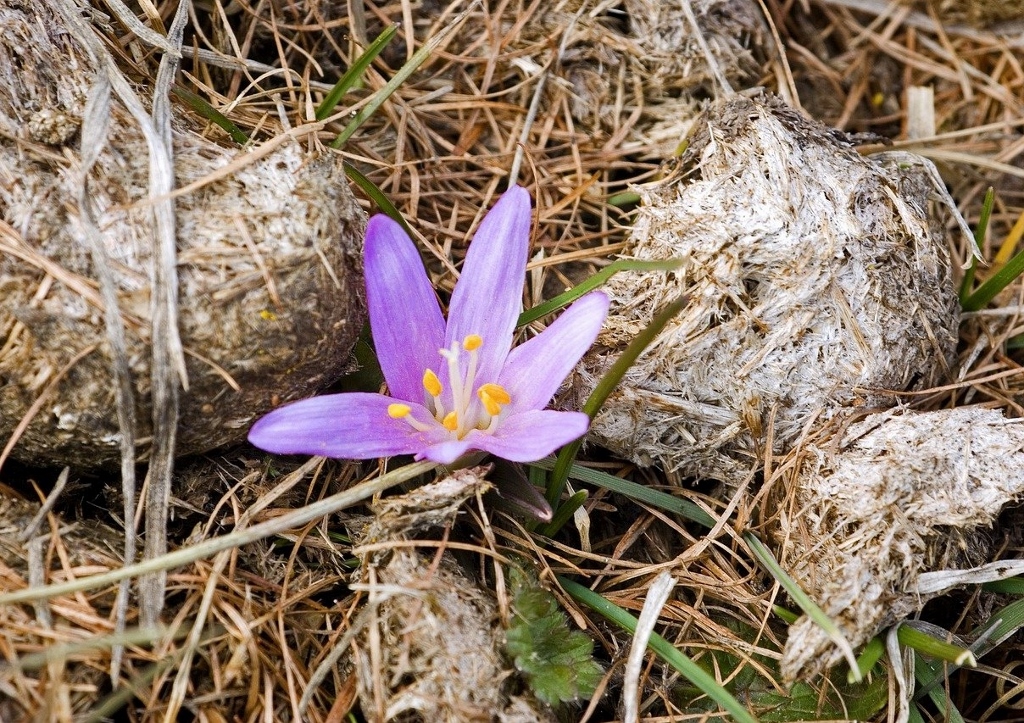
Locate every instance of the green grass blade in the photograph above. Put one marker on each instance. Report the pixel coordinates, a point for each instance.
(211, 114)
(785, 614)
(410, 67)
(377, 196)
(565, 513)
(870, 655)
(979, 238)
(335, 94)
(933, 647)
(62, 652)
(117, 700)
(999, 281)
(989, 635)
(915, 715)
(594, 282)
(1015, 342)
(625, 198)
(611, 379)
(1003, 623)
(682, 663)
(803, 600)
(635, 491)
(925, 671)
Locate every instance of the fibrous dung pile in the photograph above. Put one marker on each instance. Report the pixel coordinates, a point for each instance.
(433, 647)
(898, 494)
(817, 279)
(268, 263)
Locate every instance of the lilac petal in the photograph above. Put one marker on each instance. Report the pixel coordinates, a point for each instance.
(534, 370)
(405, 318)
(345, 426)
(528, 436)
(448, 451)
(488, 295)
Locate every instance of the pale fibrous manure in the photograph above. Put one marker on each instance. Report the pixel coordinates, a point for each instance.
(868, 506)
(817, 279)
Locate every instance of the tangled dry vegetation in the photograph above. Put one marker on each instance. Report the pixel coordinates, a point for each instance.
(581, 99)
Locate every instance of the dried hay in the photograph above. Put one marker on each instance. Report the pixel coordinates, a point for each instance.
(440, 149)
(626, 75)
(863, 510)
(817, 279)
(57, 687)
(259, 614)
(269, 280)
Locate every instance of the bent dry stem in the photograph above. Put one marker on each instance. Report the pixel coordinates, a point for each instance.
(184, 556)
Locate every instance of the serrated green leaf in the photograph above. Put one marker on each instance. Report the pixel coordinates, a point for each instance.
(556, 662)
(841, 701)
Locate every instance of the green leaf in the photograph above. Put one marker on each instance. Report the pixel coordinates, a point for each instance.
(594, 282)
(838, 701)
(802, 599)
(871, 654)
(604, 388)
(565, 513)
(557, 662)
(410, 67)
(926, 673)
(377, 196)
(933, 647)
(635, 491)
(998, 281)
(987, 636)
(1002, 624)
(625, 198)
(979, 237)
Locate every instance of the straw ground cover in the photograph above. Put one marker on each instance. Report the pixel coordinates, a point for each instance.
(578, 100)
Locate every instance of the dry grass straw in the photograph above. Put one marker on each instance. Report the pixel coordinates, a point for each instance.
(269, 615)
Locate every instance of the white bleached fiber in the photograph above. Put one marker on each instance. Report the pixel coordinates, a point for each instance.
(898, 495)
(817, 279)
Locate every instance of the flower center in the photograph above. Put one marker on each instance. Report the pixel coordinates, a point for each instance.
(466, 410)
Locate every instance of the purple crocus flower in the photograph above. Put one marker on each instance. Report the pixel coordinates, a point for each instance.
(455, 387)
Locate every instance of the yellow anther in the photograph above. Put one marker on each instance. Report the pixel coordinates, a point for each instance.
(450, 421)
(472, 342)
(397, 411)
(431, 383)
(495, 392)
(492, 407)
